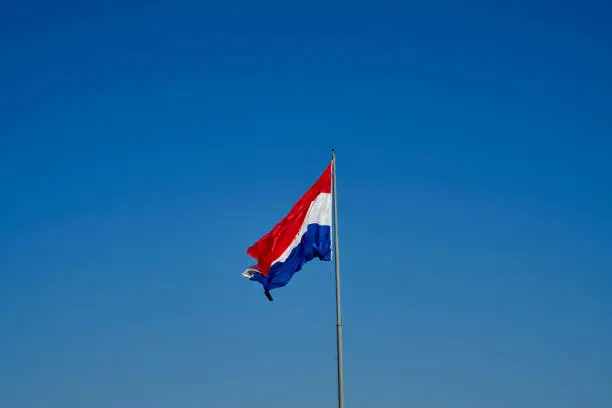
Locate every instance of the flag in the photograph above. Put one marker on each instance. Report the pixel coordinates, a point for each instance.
(302, 235)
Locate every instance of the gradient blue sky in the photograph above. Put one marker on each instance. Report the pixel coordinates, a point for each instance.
(145, 145)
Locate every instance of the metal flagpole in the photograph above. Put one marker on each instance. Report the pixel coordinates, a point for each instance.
(337, 262)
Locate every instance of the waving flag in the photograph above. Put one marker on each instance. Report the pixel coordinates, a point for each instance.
(303, 235)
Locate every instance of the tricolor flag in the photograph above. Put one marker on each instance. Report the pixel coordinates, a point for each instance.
(303, 235)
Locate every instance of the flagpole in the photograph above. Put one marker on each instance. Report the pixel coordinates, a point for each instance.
(337, 263)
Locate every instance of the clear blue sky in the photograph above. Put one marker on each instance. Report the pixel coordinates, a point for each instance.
(145, 145)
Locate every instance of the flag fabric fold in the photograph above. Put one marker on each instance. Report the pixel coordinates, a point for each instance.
(302, 235)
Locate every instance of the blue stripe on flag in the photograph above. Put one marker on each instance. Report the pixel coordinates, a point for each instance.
(315, 243)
